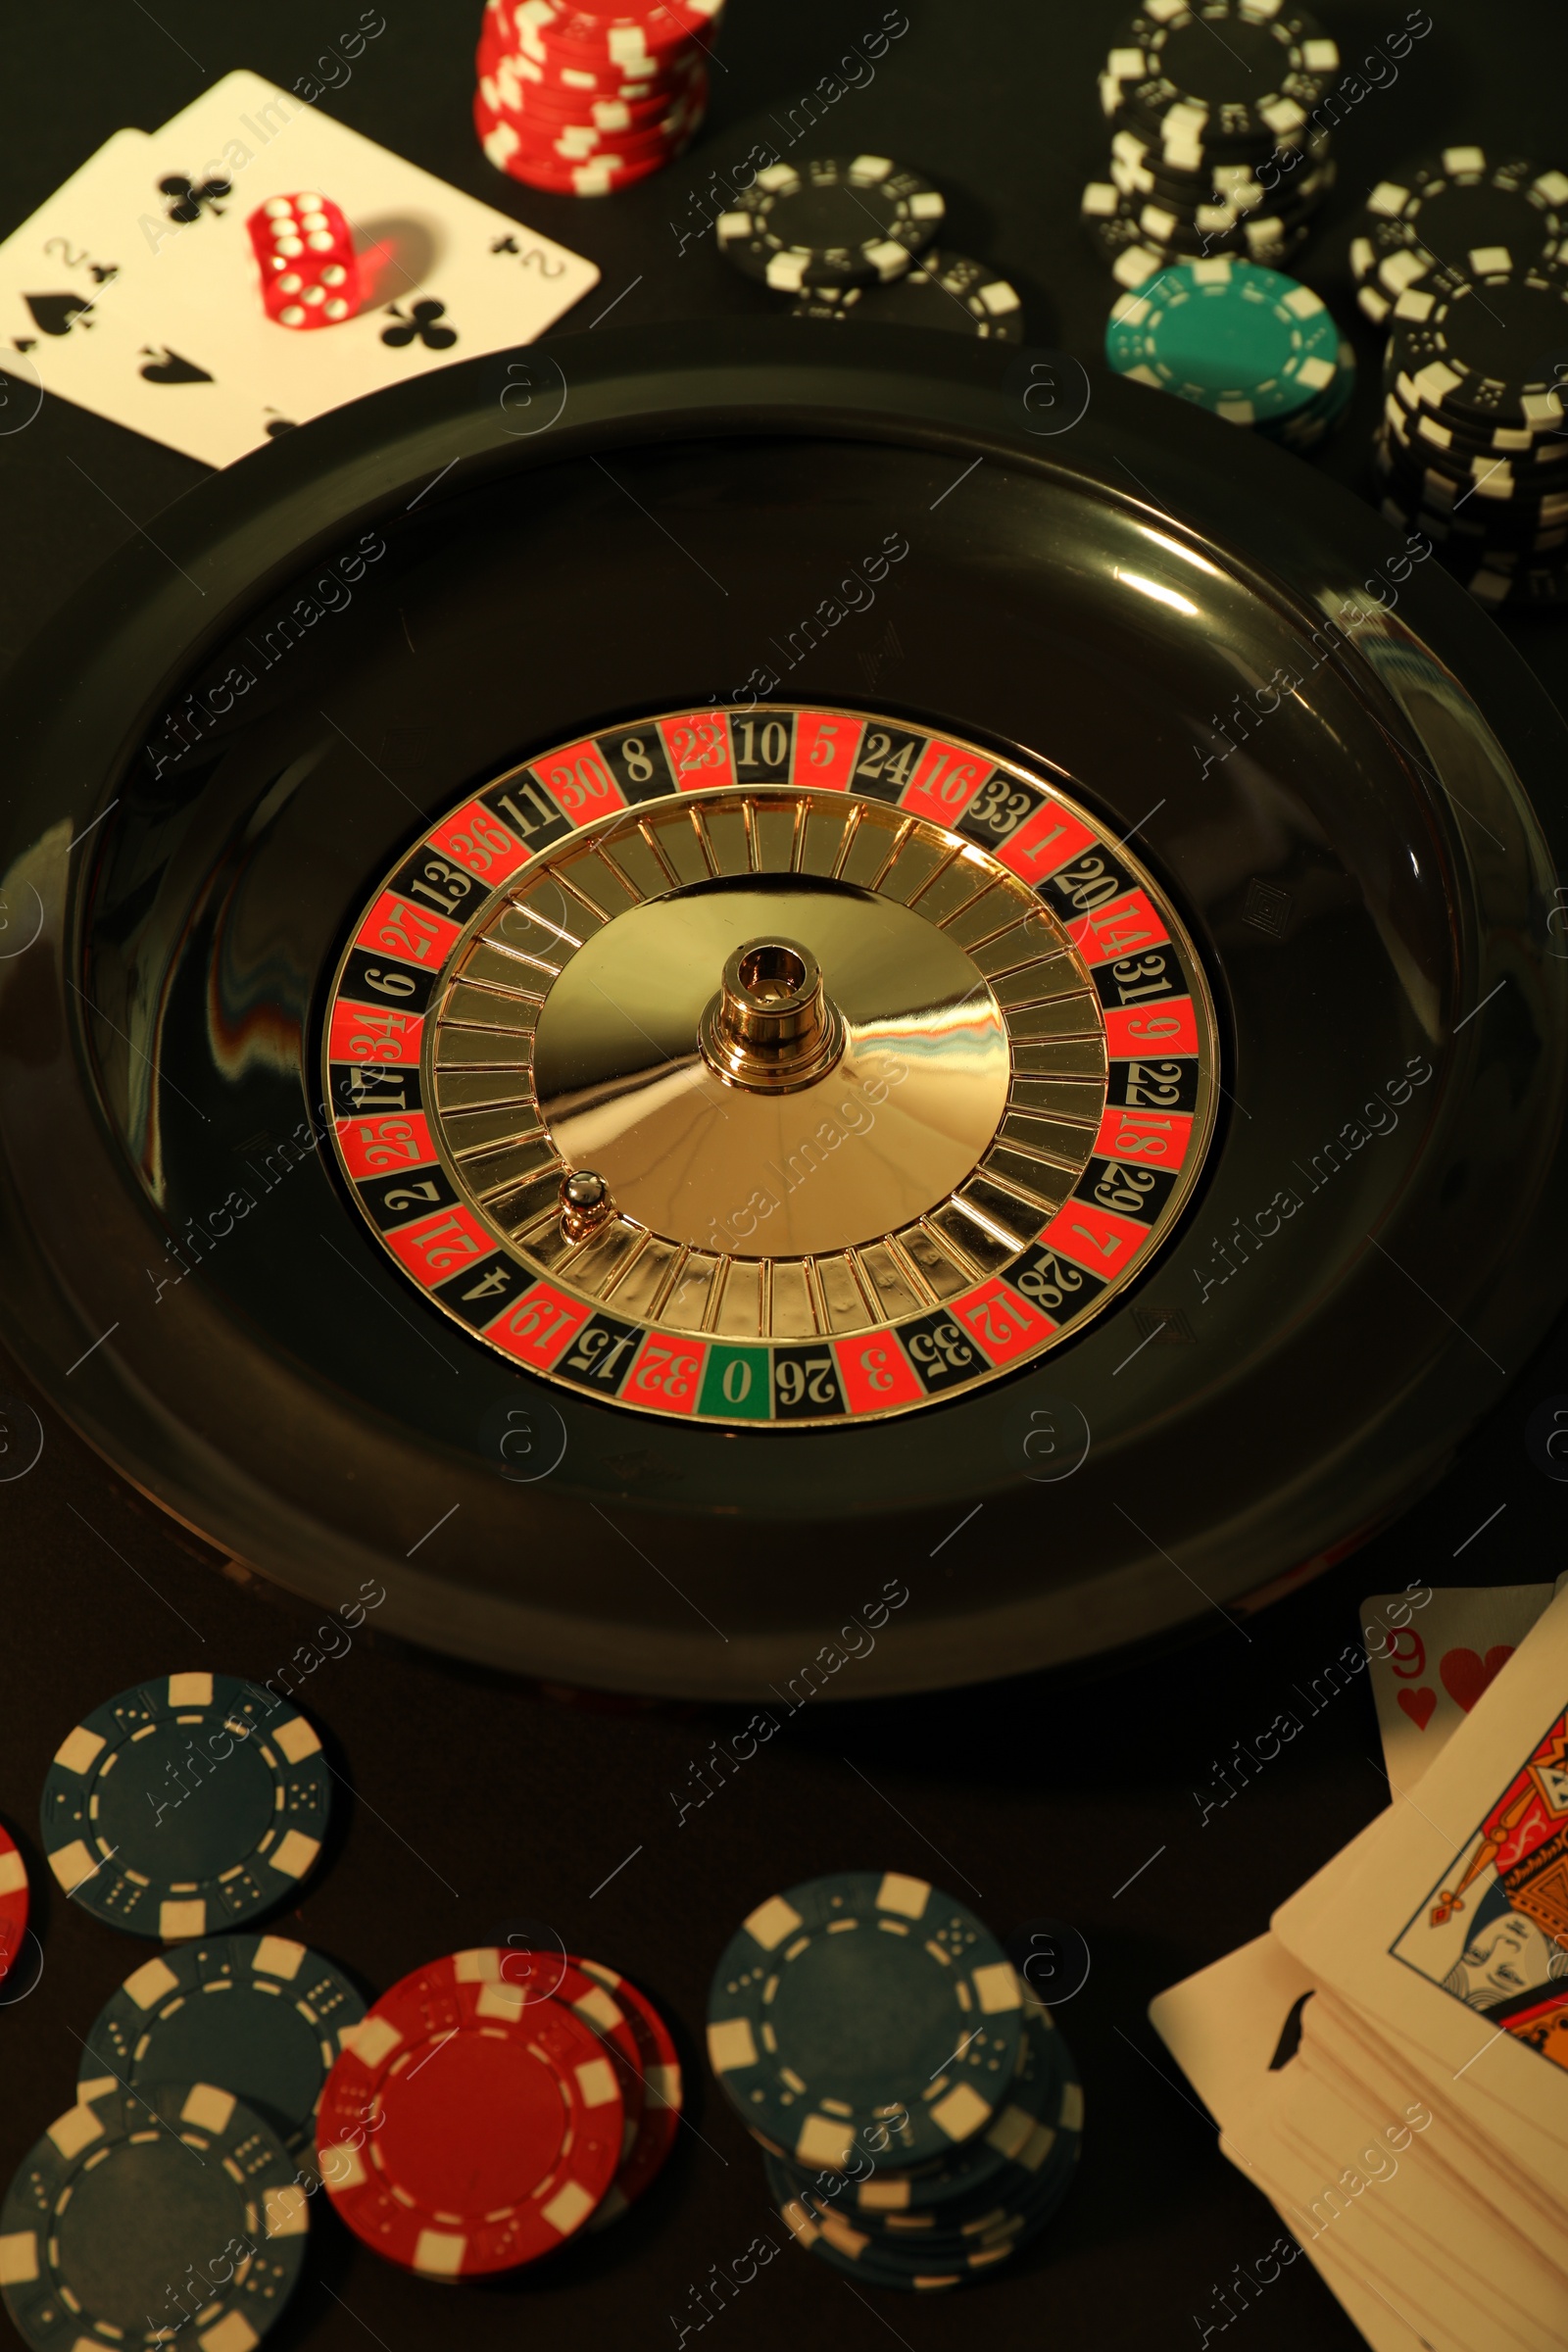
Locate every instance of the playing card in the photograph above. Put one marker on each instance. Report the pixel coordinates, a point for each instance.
(1233, 2029)
(1440, 2309)
(1375, 2066)
(443, 277)
(1450, 1928)
(58, 326)
(1419, 2177)
(1226, 2026)
(1428, 1671)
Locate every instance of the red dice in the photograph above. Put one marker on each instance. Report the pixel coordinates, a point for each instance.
(305, 250)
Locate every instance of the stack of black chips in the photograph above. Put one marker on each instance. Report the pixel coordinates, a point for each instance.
(1472, 449)
(1219, 135)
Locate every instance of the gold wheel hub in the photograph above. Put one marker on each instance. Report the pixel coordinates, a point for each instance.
(776, 1118)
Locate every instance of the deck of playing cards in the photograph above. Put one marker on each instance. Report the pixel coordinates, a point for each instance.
(1389, 2062)
(135, 291)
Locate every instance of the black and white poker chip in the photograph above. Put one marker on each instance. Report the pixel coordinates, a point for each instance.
(1137, 236)
(1487, 353)
(1220, 78)
(946, 291)
(1460, 212)
(837, 220)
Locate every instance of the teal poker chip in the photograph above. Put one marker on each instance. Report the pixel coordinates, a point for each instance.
(976, 2238)
(145, 2212)
(259, 2016)
(978, 2211)
(188, 1804)
(1246, 343)
(862, 2009)
(1310, 427)
(997, 2157)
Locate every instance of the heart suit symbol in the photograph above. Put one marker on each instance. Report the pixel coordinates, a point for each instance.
(1465, 1675)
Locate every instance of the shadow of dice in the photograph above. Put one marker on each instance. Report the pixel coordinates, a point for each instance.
(304, 247)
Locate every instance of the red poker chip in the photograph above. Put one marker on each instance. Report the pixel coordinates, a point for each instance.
(632, 60)
(619, 36)
(663, 2095)
(567, 148)
(472, 2126)
(498, 43)
(507, 149)
(523, 103)
(571, 1982)
(595, 178)
(521, 80)
(587, 137)
(13, 1902)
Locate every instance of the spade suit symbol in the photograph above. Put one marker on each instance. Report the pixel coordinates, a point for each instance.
(57, 314)
(168, 367)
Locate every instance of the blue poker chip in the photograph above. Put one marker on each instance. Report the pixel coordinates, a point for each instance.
(864, 2009)
(188, 1804)
(1246, 343)
(145, 2211)
(259, 2016)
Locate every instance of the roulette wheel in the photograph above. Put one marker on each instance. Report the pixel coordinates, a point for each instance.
(660, 985)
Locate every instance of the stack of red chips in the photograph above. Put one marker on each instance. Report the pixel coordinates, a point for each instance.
(585, 96)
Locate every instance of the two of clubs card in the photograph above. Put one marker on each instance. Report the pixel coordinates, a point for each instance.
(134, 290)
(1389, 2063)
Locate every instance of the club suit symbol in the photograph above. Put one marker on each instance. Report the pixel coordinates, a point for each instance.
(191, 196)
(420, 324)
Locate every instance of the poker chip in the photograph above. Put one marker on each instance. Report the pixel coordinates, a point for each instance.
(941, 290)
(1223, 76)
(1490, 352)
(606, 2004)
(1471, 448)
(837, 220)
(1140, 167)
(13, 1899)
(1246, 343)
(661, 2094)
(190, 1803)
(1138, 236)
(1451, 468)
(600, 175)
(585, 99)
(626, 34)
(1220, 141)
(1004, 2156)
(144, 2209)
(258, 2015)
(860, 1998)
(933, 2226)
(1543, 457)
(1455, 212)
(472, 2126)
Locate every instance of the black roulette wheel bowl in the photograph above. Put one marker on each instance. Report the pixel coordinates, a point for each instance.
(1367, 859)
